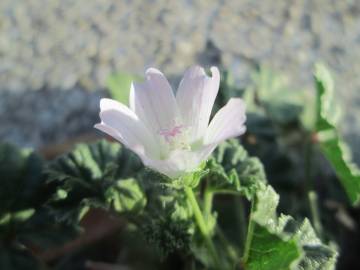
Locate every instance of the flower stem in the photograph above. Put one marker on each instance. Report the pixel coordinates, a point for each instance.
(314, 208)
(208, 199)
(199, 218)
(310, 188)
(240, 220)
(250, 233)
(309, 185)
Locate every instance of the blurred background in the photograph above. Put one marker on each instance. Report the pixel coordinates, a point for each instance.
(56, 56)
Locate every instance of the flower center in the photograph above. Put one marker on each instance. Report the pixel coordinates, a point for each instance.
(170, 133)
(175, 137)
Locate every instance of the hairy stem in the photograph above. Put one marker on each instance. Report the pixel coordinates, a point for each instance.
(250, 233)
(313, 200)
(208, 200)
(204, 230)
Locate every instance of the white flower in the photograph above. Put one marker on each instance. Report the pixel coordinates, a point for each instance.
(171, 134)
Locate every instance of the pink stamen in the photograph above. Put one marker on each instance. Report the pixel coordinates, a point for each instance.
(167, 133)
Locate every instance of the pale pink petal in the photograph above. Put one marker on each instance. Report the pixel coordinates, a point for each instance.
(154, 102)
(228, 122)
(195, 97)
(108, 104)
(180, 162)
(110, 131)
(121, 123)
(137, 148)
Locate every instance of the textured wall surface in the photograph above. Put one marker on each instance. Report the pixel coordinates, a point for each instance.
(52, 52)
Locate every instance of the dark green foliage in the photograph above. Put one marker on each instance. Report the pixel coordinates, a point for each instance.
(331, 144)
(42, 230)
(96, 176)
(283, 243)
(231, 170)
(316, 254)
(14, 258)
(270, 251)
(21, 179)
(23, 222)
(268, 248)
(167, 222)
(167, 235)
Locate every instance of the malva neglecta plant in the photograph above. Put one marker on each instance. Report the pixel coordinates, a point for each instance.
(172, 135)
(188, 186)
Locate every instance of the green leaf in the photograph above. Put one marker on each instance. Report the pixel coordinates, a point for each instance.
(280, 242)
(91, 176)
(126, 196)
(331, 144)
(231, 170)
(167, 220)
(269, 249)
(119, 85)
(22, 181)
(166, 235)
(267, 201)
(316, 255)
(22, 192)
(42, 230)
(12, 166)
(87, 163)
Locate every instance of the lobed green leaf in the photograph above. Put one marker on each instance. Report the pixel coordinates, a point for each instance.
(331, 144)
(283, 243)
(97, 175)
(231, 170)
